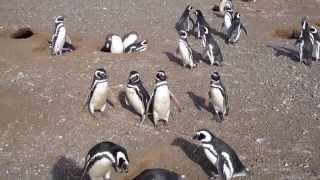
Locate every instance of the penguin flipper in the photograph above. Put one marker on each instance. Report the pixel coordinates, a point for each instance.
(175, 100)
(220, 163)
(244, 29)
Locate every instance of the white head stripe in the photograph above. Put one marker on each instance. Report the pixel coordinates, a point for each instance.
(101, 154)
(207, 135)
(121, 155)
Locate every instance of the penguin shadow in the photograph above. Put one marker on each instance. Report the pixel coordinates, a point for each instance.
(66, 169)
(122, 97)
(198, 58)
(283, 51)
(173, 58)
(199, 102)
(196, 154)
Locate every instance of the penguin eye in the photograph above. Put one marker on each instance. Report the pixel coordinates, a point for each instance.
(202, 136)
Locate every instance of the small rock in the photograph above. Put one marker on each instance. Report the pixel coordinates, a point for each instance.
(60, 137)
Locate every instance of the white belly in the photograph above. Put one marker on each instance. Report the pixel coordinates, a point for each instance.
(212, 158)
(186, 56)
(117, 45)
(227, 21)
(217, 100)
(60, 40)
(100, 168)
(134, 100)
(99, 96)
(130, 40)
(161, 104)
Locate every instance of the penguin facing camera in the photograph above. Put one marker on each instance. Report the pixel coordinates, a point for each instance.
(99, 92)
(218, 96)
(136, 95)
(159, 104)
(102, 158)
(221, 155)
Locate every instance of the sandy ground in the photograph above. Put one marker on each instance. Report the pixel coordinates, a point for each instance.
(45, 134)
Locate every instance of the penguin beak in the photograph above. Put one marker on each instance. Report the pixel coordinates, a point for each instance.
(125, 168)
(195, 137)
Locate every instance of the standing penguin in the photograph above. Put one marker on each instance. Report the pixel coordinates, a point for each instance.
(228, 17)
(225, 4)
(218, 96)
(185, 50)
(102, 158)
(159, 174)
(221, 155)
(99, 92)
(305, 42)
(137, 47)
(129, 39)
(185, 20)
(234, 31)
(136, 95)
(200, 23)
(212, 49)
(160, 100)
(58, 38)
(113, 44)
(316, 40)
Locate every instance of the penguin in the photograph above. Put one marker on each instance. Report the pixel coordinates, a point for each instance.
(185, 50)
(316, 41)
(160, 99)
(211, 48)
(137, 47)
(225, 4)
(58, 38)
(102, 158)
(99, 92)
(228, 17)
(159, 174)
(305, 42)
(234, 31)
(184, 22)
(113, 44)
(218, 96)
(136, 95)
(221, 155)
(129, 39)
(200, 22)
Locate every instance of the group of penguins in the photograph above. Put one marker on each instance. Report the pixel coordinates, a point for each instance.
(105, 156)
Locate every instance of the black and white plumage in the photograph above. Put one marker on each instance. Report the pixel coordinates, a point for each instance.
(227, 19)
(58, 38)
(159, 174)
(200, 23)
(224, 4)
(136, 95)
(234, 31)
(221, 155)
(184, 22)
(185, 50)
(211, 48)
(160, 100)
(316, 41)
(305, 42)
(218, 96)
(137, 47)
(102, 158)
(113, 44)
(129, 39)
(99, 91)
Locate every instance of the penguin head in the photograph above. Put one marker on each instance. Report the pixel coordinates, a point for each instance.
(205, 29)
(215, 76)
(122, 161)
(304, 22)
(189, 7)
(236, 15)
(100, 74)
(198, 12)
(142, 46)
(313, 30)
(59, 19)
(183, 34)
(203, 135)
(134, 77)
(161, 76)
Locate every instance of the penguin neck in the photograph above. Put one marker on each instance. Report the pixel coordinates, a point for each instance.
(162, 83)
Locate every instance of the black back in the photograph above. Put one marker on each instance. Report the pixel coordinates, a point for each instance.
(217, 51)
(157, 174)
(141, 91)
(182, 24)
